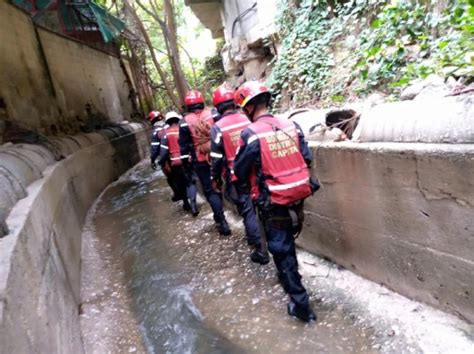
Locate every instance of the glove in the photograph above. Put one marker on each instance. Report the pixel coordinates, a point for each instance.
(166, 168)
(153, 165)
(314, 183)
(217, 185)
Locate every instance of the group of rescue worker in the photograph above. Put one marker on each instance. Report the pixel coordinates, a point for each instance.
(256, 160)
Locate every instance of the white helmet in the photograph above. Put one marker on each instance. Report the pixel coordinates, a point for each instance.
(171, 115)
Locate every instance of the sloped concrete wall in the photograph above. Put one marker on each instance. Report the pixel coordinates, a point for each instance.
(83, 75)
(25, 85)
(40, 262)
(399, 214)
(47, 79)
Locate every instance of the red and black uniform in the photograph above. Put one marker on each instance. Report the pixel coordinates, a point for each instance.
(190, 141)
(225, 136)
(193, 146)
(274, 152)
(155, 141)
(170, 160)
(170, 146)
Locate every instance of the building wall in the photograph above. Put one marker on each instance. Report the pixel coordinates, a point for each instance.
(84, 75)
(246, 55)
(47, 79)
(257, 24)
(25, 85)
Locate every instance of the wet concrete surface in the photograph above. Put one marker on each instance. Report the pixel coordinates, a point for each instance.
(155, 279)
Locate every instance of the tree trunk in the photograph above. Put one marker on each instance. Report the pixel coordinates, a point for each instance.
(171, 46)
(173, 39)
(132, 93)
(145, 101)
(159, 69)
(192, 65)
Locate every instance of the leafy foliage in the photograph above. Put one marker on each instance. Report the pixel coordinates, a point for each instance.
(303, 63)
(394, 42)
(408, 41)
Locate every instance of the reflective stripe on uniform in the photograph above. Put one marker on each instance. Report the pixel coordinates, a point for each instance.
(281, 187)
(216, 155)
(252, 139)
(264, 135)
(175, 158)
(172, 133)
(164, 147)
(183, 125)
(185, 156)
(155, 144)
(237, 125)
(217, 140)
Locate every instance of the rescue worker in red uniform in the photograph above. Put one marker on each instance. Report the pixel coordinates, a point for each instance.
(155, 118)
(225, 135)
(195, 145)
(170, 158)
(274, 155)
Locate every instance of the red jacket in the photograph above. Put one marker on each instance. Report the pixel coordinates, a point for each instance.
(172, 139)
(285, 172)
(226, 139)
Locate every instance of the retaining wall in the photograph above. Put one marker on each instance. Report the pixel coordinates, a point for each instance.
(47, 79)
(40, 257)
(399, 214)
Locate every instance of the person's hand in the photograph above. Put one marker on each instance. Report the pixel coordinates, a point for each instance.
(153, 166)
(217, 185)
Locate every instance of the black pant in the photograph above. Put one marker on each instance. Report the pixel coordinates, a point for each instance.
(177, 182)
(242, 200)
(281, 244)
(203, 171)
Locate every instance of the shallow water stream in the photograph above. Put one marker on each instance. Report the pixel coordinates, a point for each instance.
(155, 279)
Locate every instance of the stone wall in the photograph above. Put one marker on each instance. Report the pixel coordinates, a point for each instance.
(40, 257)
(47, 79)
(399, 214)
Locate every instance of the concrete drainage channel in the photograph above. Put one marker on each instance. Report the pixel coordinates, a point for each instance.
(369, 192)
(45, 192)
(157, 280)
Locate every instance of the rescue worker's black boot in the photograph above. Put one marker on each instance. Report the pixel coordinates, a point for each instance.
(259, 256)
(194, 208)
(305, 315)
(222, 225)
(186, 205)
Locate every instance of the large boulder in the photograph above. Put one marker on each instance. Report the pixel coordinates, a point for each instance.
(432, 86)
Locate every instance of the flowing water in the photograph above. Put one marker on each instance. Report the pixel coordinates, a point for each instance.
(155, 279)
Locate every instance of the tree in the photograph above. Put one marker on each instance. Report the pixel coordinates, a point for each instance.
(168, 87)
(168, 29)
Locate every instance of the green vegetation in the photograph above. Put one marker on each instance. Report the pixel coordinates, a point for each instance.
(393, 42)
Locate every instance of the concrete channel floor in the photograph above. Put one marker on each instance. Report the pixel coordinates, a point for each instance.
(157, 280)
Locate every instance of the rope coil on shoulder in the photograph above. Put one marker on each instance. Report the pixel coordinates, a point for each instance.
(203, 137)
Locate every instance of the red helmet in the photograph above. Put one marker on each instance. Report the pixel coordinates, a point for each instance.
(155, 115)
(248, 91)
(193, 97)
(222, 94)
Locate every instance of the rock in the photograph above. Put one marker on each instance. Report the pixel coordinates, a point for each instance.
(323, 134)
(307, 118)
(432, 86)
(372, 100)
